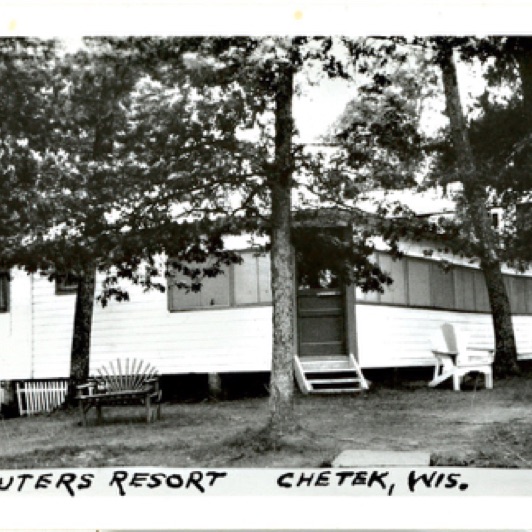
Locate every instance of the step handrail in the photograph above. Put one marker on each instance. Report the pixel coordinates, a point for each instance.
(300, 376)
(363, 382)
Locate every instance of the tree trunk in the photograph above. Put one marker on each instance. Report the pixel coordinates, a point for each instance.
(506, 357)
(282, 374)
(521, 48)
(81, 340)
(477, 213)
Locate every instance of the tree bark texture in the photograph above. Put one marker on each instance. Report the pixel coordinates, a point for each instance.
(81, 341)
(522, 51)
(282, 374)
(477, 213)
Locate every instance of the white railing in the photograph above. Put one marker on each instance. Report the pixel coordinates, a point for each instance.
(40, 396)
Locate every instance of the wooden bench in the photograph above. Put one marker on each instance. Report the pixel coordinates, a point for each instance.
(121, 383)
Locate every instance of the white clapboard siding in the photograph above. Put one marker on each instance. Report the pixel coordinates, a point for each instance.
(395, 336)
(36, 334)
(523, 336)
(221, 340)
(53, 324)
(16, 329)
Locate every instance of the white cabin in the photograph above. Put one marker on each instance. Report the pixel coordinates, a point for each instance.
(227, 327)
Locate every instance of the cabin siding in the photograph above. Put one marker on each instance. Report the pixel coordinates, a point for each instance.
(53, 326)
(16, 329)
(389, 336)
(523, 336)
(203, 341)
(36, 333)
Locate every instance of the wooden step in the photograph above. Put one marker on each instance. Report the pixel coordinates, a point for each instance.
(336, 390)
(333, 387)
(338, 357)
(330, 373)
(325, 365)
(325, 375)
(332, 381)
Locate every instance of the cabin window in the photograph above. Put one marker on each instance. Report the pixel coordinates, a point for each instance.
(4, 291)
(528, 292)
(265, 279)
(419, 283)
(482, 303)
(424, 283)
(248, 283)
(464, 288)
(516, 287)
(214, 291)
(442, 287)
(396, 292)
(252, 280)
(65, 284)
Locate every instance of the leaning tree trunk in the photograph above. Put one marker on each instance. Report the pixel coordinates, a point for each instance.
(81, 340)
(282, 374)
(476, 211)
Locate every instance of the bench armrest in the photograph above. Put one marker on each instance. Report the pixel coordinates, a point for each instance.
(86, 389)
(481, 353)
(451, 354)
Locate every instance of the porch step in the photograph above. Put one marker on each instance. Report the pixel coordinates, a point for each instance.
(330, 374)
(326, 365)
(325, 375)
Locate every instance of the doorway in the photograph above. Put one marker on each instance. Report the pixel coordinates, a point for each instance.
(321, 322)
(322, 326)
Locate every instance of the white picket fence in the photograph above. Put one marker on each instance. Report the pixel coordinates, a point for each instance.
(40, 396)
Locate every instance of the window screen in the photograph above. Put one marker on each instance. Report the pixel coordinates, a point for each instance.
(253, 280)
(516, 289)
(396, 292)
(419, 283)
(464, 288)
(481, 292)
(442, 287)
(214, 291)
(247, 280)
(528, 289)
(265, 279)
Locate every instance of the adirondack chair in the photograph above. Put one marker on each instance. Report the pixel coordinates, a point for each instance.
(456, 359)
(121, 383)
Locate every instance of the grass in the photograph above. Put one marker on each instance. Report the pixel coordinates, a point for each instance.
(476, 427)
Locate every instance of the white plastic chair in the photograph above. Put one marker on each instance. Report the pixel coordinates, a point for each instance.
(455, 359)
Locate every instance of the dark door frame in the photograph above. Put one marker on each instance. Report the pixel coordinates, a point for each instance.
(349, 316)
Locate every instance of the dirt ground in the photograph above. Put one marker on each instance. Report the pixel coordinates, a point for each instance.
(476, 427)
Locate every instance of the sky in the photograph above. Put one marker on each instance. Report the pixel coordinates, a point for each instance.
(319, 106)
